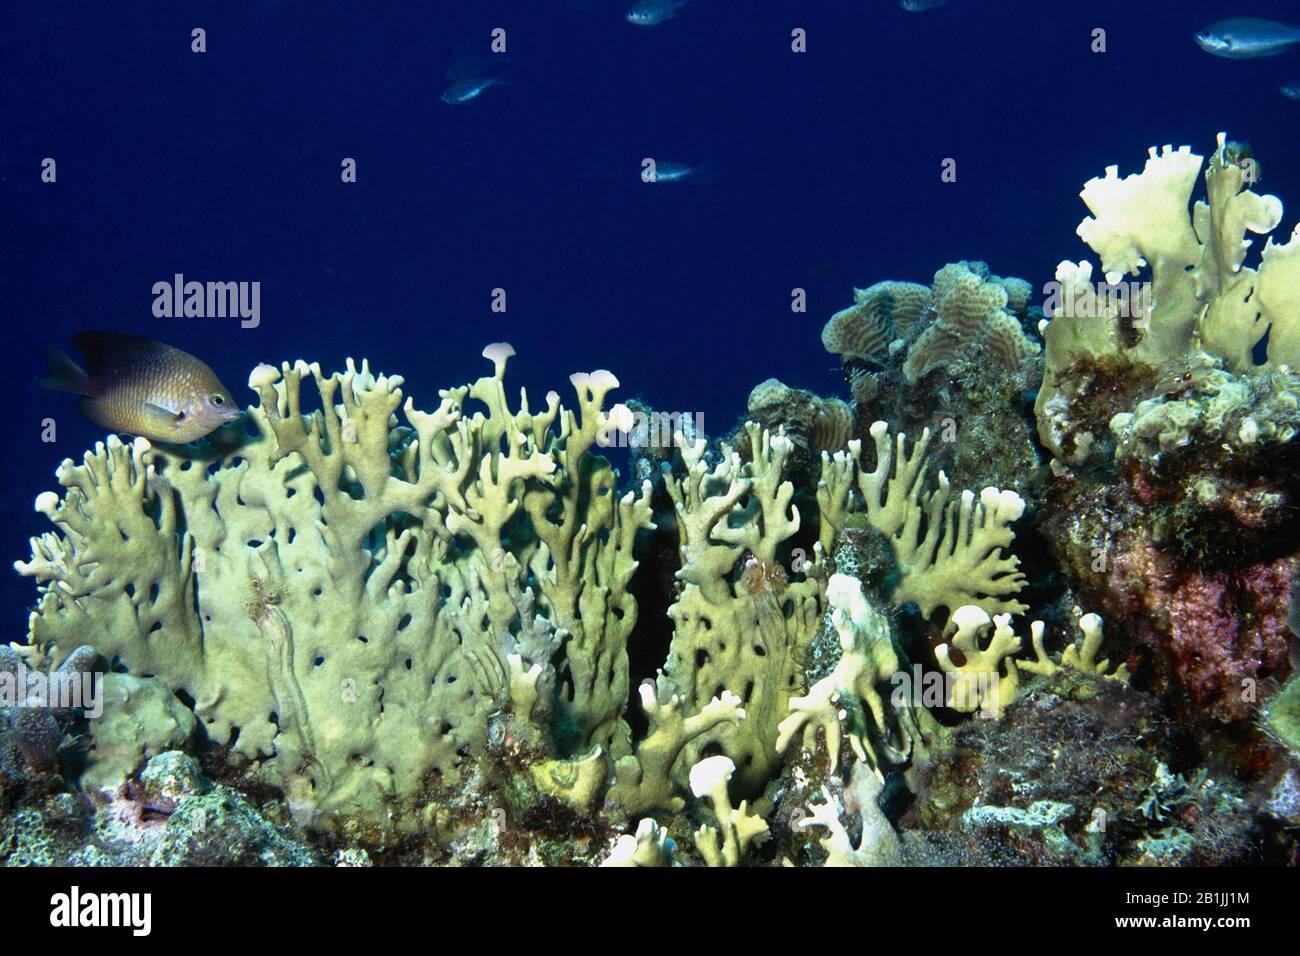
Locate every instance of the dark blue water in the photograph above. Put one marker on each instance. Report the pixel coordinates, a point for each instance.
(826, 174)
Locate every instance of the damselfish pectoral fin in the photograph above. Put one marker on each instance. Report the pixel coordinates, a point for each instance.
(159, 420)
(151, 421)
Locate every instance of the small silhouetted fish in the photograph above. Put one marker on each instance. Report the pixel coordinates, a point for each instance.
(1243, 38)
(668, 171)
(142, 387)
(1291, 90)
(916, 6)
(479, 65)
(821, 270)
(466, 88)
(651, 13)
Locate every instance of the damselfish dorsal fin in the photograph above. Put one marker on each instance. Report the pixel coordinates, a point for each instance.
(114, 351)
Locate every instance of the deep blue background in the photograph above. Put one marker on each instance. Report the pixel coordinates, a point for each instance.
(225, 166)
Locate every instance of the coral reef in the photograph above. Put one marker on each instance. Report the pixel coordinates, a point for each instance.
(1200, 295)
(949, 552)
(727, 637)
(814, 424)
(877, 843)
(1075, 773)
(736, 828)
(970, 320)
(987, 676)
(173, 815)
(956, 358)
(435, 605)
(384, 571)
(1173, 416)
(141, 718)
(848, 694)
(42, 701)
(364, 633)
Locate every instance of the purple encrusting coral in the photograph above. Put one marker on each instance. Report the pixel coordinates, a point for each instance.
(1223, 632)
(1228, 631)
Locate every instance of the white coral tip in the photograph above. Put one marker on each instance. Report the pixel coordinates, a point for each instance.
(970, 616)
(47, 501)
(621, 418)
(498, 352)
(1010, 504)
(711, 774)
(602, 380)
(263, 375)
(648, 695)
(841, 590)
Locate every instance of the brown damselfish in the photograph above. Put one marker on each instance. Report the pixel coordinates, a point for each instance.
(136, 385)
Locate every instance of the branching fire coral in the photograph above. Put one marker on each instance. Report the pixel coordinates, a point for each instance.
(988, 677)
(847, 695)
(949, 553)
(1201, 295)
(340, 595)
(726, 843)
(728, 635)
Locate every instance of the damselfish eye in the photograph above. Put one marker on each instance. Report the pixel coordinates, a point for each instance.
(218, 401)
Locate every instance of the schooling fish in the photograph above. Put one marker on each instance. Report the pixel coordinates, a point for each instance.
(465, 89)
(1243, 38)
(651, 13)
(142, 387)
(669, 171)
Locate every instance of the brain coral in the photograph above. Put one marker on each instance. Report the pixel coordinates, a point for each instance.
(969, 311)
(879, 314)
(811, 422)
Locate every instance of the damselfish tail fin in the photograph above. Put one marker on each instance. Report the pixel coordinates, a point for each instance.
(65, 374)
